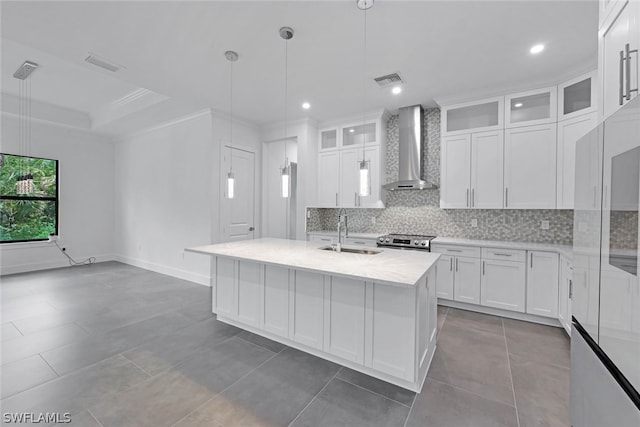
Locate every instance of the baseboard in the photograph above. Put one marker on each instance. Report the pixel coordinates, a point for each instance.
(499, 312)
(200, 279)
(48, 265)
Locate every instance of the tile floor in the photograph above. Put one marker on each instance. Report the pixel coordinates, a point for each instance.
(114, 345)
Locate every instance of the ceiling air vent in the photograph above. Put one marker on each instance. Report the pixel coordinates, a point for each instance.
(388, 80)
(103, 63)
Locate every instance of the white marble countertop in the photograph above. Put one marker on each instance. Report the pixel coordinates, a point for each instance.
(565, 250)
(351, 235)
(390, 266)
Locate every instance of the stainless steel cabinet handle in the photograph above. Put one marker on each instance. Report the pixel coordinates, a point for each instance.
(456, 264)
(621, 77)
(628, 53)
(570, 289)
(501, 254)
(451, 264)
(595, 195)
(358, 243)
(506, 197)
(473, 198)
(355, 199)
(531, 260)
(336, 199)
(483, 268)
(454, 250)
(467, 197)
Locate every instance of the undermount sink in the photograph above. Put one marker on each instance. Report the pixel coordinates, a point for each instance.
(351, 250)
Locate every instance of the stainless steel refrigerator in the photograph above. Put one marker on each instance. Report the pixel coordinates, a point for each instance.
(605, 293)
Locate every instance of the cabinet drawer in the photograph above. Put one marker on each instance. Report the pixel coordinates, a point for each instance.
(354, 241)
(504, 254)
(320, 238)
(455, 250)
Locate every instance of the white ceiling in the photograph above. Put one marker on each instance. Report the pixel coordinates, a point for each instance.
(443, 49)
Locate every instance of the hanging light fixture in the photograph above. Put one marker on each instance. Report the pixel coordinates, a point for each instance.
(365, 170)
(24, 183)
(231, 180)
(287, 34)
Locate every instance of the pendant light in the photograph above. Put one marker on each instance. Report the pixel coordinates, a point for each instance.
(286, 33)
(24, 183)
(364, 189)
(231, 180)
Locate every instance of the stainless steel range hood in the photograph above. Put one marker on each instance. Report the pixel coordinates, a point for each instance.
(411, 165)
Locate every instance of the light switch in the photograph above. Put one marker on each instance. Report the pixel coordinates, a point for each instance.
(544, 225)
(474, 222)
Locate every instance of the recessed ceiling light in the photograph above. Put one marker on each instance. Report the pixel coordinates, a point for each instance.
(536, 48)
(306, 105)
(396, 90)
(351, 130)
(517, 105)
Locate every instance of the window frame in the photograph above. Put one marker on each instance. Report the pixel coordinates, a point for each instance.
(55, 200)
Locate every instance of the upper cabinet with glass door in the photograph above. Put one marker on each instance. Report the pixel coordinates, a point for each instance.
(359, 134)
(477, 116)
(577, 96)
(534, 107)
(328, 139)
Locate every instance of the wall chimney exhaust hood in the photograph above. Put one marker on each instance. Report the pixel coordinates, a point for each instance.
(411, 165)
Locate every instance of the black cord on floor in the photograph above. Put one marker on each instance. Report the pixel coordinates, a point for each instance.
(73, 262)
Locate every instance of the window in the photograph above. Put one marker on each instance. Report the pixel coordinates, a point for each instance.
(28, 212)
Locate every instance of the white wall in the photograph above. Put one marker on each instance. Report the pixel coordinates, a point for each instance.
(86, 196)
(306, 133)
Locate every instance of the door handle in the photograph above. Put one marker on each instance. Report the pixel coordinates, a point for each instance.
(251, 228)
(621, 78)
(628, 70)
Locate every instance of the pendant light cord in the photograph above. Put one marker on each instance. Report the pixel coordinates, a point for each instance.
(286, 88)
(231, 122)
(364, 85)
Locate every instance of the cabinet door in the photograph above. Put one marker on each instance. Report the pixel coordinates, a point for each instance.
(226, 276)
(307, 309)
(275, 301)
(623, 30)
(503, 284)
(249, 284)
(578, 96)
(328, 179)
(456, 172)
(328, 139)
(542, 284)
(569, 132)
(444, 277)
(344, 319)
(487, 170)
(530, 167)
(563, 295)
(372, 157)
(466, 286)
(349, 177)
(534, 107)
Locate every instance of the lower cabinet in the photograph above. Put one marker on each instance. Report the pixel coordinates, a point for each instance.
(444, 277)
(565, 291)
(274, 310)
(307, 318)
(503, 284)
(344, 322)
(466, 284)
(226, 274)
(542, 283)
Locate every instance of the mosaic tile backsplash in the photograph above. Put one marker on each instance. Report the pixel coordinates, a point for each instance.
(418, 212)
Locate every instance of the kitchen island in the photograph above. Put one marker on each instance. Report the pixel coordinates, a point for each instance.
(374, 313)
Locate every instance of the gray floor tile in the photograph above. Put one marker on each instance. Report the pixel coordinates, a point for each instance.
(296, 376)
(473, 360)
(77, 391)
(23, 309)
(442, 315)
(9, 331)
(474, 321)
(537, 343)
(441, 405)
(274, 346)
(24, 374)
(223, 412)
(388, 390)
(28, 345)
(541, 393)
(162, 353)
(343, 404)
(43, 322)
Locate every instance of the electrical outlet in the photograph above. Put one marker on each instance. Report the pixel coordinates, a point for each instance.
(544, 225)
(474, 222)
(308, 213)
(373, 220)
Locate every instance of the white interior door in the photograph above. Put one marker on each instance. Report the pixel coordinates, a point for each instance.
(238, 214)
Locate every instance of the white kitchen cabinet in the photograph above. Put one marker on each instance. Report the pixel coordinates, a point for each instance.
(476, 116)
(617, 65)
(456, 172)
(226, 276)
(472, 171)
(565, 290)
(466, 284)
(503, 280)
(608, 8)
(349, 177)
(542, 283)
(530, 167)
(329, 184)
(578, 96)
(250, 277)
(306, 309)
(355, 135)
(344, 318)
(569, 132)
(534, 107)
(427, 322)
(328, 139)
(372, 155)
(444, 277)
(274, 310)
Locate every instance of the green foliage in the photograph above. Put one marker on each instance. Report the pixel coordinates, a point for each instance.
(27, 219)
